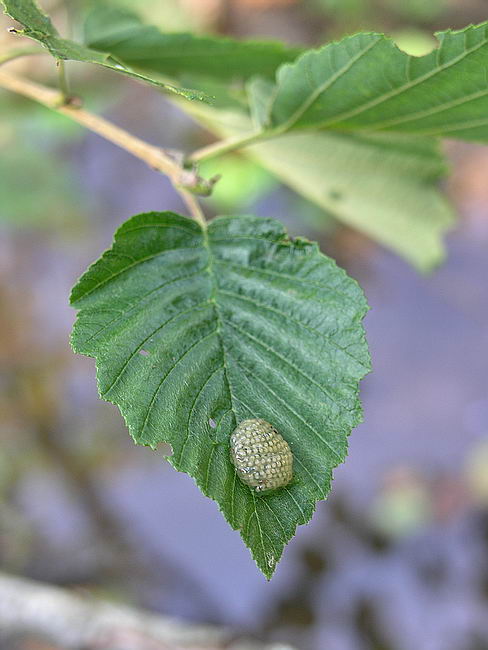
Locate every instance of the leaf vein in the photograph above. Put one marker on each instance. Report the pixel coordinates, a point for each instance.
(288, 407)
(160, 327)
(134, 305)
(401, 89)
(149, 408)
(435, 110)
(298, 279)
(299, 508)
(202, 388)
(295, 320)
(130, 266)
(285, 535)
(321, 88)
(288, 362)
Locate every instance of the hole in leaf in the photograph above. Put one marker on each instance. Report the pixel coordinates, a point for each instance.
(144, 353)
(212, 423)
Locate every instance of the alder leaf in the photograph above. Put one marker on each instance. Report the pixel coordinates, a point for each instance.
(385, 186)
(39, 27)
(150, 50)
(364, 82)
(196, 330)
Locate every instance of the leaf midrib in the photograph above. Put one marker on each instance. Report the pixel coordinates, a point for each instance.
(213, 301)
(221, 322)
(254, 511)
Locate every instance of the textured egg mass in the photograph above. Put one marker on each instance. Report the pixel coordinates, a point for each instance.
(262, 457)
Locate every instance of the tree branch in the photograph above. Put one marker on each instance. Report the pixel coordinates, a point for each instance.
(155, 157)
(81, 621)
(53, 99)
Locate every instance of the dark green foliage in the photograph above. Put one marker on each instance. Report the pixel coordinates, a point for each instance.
(152, 51)
(194, 328)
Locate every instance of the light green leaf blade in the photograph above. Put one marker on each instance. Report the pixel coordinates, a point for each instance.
(40, 28)
(260, 93)
(384, 185)
(148, 49)
(195, 331)
(364, 82)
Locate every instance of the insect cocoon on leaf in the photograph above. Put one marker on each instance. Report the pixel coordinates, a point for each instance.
(261, 456)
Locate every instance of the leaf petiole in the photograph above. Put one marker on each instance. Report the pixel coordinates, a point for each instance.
(63, 81)
(225, 146)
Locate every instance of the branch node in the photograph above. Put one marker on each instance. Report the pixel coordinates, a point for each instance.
(191, 181)
(186, 180)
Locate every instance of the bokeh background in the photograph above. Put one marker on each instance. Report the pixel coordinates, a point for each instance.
(397, 558)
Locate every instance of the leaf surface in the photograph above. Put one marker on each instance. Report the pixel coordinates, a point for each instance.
(39, 27)
(174, 54)
(384, 185)
(194, 331)
(364, 82)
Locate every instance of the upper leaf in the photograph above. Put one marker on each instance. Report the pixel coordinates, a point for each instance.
(148, 49)
(195, 331)
(364, 82)
(39, 27)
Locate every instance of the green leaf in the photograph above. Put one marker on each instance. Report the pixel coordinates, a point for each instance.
(148, 49)
(194, 331)
(40, 28)
(364, 82)
(27, 13)
(260, 93)
(384, 185)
